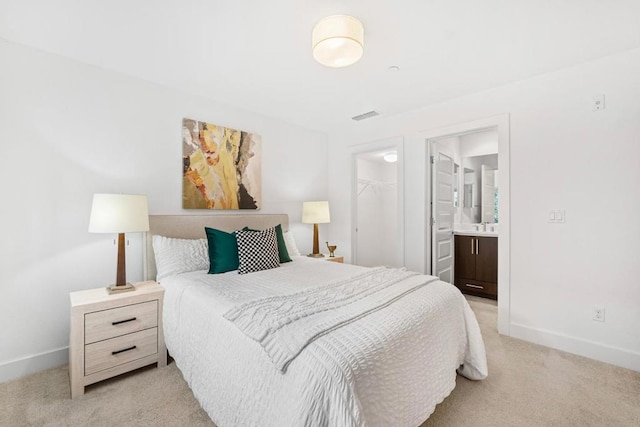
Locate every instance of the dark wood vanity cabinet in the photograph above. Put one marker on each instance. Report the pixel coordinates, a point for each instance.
(476, 265)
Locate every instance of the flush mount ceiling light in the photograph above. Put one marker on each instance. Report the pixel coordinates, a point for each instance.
(338, 41)
(391, 157)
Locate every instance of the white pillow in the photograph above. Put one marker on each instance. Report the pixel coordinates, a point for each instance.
(175, 256)
(290, 243)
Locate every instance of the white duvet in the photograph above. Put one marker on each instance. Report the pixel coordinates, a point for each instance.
(390, 367)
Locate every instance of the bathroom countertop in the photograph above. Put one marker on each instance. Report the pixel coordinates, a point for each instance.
(476, 233)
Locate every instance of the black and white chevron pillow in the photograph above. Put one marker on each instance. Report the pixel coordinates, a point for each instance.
(257, 250)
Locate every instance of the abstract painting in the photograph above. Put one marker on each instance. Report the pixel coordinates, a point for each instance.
(221, 167)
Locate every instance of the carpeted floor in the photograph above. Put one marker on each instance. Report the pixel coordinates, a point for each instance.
(528, 385)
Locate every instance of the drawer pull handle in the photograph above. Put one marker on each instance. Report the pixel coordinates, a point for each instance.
(474, 286)
(123, 321)
(113, 353)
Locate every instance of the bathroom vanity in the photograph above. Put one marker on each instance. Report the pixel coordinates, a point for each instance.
(476, 263)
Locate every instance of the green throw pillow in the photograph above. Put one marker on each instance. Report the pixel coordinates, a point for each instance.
(223, 251)
(283, 253)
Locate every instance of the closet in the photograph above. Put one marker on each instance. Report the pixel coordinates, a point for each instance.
(377, 211)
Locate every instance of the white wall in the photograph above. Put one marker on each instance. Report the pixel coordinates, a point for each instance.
(69, 130)
(479, 143)
(563, 156)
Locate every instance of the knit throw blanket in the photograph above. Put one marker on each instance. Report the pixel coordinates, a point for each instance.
(284, 325)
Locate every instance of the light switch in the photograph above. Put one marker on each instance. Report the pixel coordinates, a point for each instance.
(556, 215)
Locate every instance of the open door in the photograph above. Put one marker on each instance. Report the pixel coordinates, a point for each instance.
(442, 213)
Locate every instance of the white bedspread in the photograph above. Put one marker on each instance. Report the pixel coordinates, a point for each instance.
(390, 367)
(284, 325)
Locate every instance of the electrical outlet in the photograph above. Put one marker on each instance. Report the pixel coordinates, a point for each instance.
(598, 314)
(598, 102)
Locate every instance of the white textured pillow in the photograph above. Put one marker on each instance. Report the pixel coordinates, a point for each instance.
(174, 256)
(290, 243)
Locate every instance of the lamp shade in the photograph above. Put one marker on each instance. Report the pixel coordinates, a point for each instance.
(338, 41)
(315, 212)
(118, 213)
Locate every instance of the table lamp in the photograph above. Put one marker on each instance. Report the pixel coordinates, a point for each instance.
(119, 213)
(315, 213)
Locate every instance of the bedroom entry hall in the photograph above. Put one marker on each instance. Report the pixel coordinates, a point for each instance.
(465, 212)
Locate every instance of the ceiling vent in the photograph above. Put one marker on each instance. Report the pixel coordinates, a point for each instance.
(366, 115)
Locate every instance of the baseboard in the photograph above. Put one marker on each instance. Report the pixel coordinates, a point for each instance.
(591, 349)
(31, 364)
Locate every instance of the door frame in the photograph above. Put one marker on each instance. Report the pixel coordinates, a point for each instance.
(396, 144)
(501, 123)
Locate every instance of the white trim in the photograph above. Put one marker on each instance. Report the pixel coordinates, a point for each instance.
(591, 349)
(35, 363)
(501, 123)
(397, 144)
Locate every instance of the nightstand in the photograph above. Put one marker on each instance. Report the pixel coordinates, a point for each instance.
(339, 259)
(114, 334)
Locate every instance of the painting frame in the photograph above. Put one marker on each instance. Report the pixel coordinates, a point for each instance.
(221, 167)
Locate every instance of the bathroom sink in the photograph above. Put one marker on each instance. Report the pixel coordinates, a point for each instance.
(491, 230)
(476, 233)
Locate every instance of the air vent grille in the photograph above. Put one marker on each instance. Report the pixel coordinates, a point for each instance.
(365, 115)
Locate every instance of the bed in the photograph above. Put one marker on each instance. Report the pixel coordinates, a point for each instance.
(390, 365)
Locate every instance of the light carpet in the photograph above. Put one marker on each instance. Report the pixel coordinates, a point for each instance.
(528, 385)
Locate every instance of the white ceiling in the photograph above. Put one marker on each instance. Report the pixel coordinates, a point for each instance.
(376, 156)
(256, 54)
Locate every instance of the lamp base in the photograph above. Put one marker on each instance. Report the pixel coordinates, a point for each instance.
(316, 255)
(118, 289)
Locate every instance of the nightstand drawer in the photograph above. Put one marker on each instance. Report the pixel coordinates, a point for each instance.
(116, 351)
(102, 325)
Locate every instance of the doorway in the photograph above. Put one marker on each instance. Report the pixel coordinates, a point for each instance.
(377, 205)
(466, 162)
(465, 178)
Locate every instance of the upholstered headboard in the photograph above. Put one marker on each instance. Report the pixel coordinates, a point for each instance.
(192, 227)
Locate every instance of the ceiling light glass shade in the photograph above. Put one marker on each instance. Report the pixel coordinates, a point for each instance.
(338, 41)
(315, 212)
(118, 213)
(390, 157)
